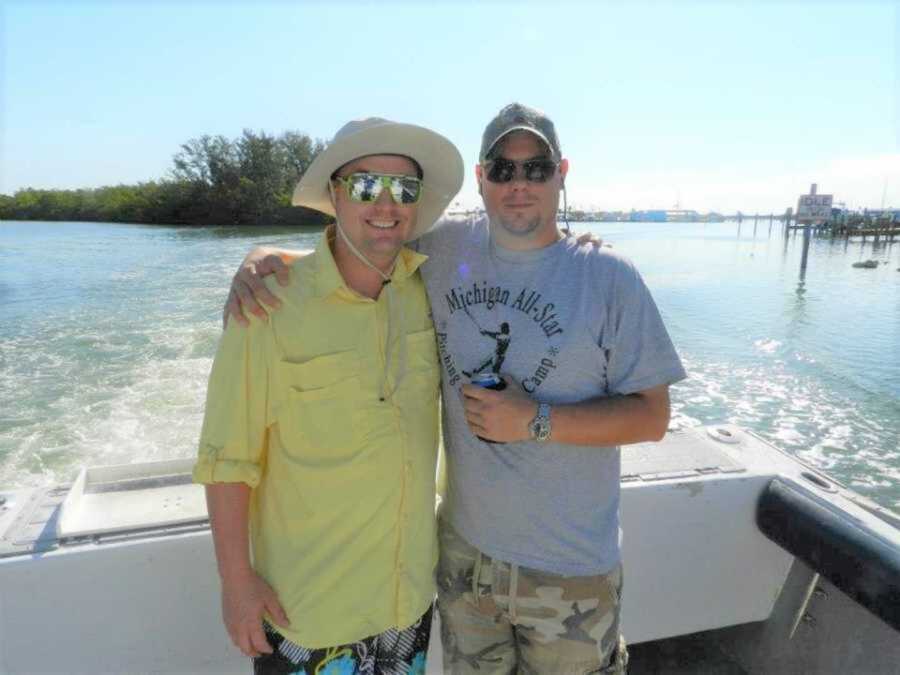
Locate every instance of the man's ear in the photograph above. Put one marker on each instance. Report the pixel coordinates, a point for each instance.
(479, 176)
(563, 170)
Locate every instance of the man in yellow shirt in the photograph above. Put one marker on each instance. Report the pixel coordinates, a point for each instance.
(320, 436)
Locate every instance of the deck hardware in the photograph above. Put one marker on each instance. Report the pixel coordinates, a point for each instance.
(809, 619)
(818, 481)
(821, 594)
(801, 613)
(723, 435)
(665, 475)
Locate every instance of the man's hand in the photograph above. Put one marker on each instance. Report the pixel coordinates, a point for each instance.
(244, 603)
(247, 287)
(501, 416)
(590, 238)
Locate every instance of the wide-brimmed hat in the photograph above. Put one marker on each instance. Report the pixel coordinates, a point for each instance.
(442, 165)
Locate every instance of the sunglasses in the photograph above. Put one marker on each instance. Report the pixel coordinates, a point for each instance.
(502, 170)
(367, 187)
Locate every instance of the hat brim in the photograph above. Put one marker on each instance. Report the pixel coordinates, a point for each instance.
(521, 127)
(442, 168)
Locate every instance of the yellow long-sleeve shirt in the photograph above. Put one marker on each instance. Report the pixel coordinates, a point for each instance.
(342, 508)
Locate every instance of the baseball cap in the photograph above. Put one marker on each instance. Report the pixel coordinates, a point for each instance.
(519, 117)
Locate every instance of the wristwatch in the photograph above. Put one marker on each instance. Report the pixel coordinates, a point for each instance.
(539, 427)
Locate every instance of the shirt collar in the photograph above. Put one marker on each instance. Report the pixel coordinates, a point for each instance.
(328, 276)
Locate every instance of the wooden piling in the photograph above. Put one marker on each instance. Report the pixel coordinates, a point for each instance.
(805, 256)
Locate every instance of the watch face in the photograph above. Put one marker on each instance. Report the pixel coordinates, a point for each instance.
(540, 430)
(540, 425)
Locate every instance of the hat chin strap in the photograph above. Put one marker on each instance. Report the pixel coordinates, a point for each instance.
(394, 327)
(566, 211)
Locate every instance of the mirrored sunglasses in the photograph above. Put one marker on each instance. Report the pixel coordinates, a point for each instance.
(502, 170)
(367, 187)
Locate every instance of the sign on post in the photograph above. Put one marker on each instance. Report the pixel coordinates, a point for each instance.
(814, 208)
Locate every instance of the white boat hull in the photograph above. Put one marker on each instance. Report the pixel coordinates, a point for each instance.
(145, 598)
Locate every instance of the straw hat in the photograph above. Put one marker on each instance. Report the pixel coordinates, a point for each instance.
(442, 165)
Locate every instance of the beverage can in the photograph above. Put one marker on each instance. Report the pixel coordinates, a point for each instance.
(489, 381)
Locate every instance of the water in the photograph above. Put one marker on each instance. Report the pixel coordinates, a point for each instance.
(107, 334)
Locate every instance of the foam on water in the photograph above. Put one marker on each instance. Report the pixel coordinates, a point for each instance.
(119, 375)
(100, 394)
(107, 334)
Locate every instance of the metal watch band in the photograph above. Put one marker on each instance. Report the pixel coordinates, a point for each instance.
(540, 425)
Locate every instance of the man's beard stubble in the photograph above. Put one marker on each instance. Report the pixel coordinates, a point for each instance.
(517, 230)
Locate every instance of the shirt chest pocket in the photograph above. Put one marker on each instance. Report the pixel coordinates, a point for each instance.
(319, 402)
(420, 388)
(423, 368)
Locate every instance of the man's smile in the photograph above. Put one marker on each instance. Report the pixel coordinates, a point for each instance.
(383, 224)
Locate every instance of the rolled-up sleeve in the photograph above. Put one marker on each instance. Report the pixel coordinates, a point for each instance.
(234, 437)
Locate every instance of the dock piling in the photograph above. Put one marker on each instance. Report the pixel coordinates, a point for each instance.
(805, 256)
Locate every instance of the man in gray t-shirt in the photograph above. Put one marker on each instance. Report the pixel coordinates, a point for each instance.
(564, 325)
(529, 576)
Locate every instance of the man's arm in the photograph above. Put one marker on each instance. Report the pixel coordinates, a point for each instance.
(248, 292)
(231, 452)
(245, 596)
(618, 420)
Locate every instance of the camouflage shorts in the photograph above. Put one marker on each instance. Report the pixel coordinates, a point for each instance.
(502, 618)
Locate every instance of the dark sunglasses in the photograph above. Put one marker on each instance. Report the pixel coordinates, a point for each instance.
(367, 187)
(502, 170)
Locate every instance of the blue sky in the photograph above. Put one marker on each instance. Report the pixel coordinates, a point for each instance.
(718, 105)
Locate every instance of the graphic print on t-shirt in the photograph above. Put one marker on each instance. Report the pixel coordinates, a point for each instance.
(495, 360)
(613, 342)
(488, 317)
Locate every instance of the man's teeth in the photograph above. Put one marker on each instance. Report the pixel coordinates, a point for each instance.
(383, 224)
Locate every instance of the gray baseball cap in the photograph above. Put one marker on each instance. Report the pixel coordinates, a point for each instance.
(518, 117)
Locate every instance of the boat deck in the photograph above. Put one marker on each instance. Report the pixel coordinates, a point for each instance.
(697, 654)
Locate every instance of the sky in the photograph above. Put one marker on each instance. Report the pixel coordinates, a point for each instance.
(709, 105)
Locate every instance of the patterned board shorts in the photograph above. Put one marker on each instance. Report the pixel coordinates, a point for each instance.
(502, 618)
(393, 652)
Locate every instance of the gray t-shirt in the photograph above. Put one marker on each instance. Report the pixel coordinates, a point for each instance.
(570, 323)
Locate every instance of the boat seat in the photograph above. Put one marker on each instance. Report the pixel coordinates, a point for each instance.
(856, 559)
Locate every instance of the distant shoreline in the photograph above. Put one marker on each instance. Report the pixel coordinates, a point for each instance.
(214, 181)
(312, 227)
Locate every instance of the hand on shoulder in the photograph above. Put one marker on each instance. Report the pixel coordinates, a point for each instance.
(248, 293)
(589, 238)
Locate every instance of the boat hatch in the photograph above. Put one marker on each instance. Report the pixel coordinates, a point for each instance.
(681, 457)
(112, 499)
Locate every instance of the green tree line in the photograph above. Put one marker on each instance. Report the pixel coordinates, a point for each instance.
(214, 180)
